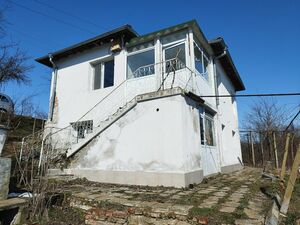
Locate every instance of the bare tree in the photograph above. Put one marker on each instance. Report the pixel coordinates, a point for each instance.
(264, 124)
(13, 66)
(266, 115)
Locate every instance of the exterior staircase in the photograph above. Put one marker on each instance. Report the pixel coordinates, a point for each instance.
(102, 126)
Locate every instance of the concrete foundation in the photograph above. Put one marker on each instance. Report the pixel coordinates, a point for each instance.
(137, 177)
(231, 168)
(5, 164)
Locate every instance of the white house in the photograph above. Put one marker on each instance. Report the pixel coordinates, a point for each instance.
(142, 109)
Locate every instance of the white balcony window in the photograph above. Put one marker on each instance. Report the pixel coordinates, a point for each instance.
(201, 62)
(174, 57)
(140, 64)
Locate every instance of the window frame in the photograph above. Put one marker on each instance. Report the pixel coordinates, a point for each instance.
(139, 52)
(203, 116)
(172, 45)
(203, 55)
(102, 71)
(82, 128)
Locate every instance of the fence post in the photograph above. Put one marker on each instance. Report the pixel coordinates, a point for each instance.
(275, 150)
(286, 150)
(252, 148)
(262, 148)
(290, 185)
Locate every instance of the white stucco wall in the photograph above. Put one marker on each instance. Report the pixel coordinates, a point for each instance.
(74, 92)
(230, 147)
(147, 140)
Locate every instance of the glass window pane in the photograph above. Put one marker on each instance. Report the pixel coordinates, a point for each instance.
(97, 76)
(173, 37)
(209, 132)
(201, 62)
(201, 130)
(109, 73)
(175, 58)
(140, 47)
(140, 64)
(198, 59)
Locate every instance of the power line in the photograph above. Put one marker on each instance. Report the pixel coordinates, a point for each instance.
(292, 121)
(37, 38)
(252, 95)
(72, 15)
(53, 18)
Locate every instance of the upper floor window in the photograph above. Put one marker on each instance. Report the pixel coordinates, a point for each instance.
(140, 64)
(201, 61)
(174, 57)
(103, 74)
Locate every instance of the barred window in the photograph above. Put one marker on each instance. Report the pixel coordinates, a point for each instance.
(82, 128)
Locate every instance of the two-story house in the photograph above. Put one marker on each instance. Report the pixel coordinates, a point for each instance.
(143, 109)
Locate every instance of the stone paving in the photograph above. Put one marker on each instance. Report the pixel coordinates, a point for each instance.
(225, 199)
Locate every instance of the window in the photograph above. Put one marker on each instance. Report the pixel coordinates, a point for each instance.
(207, 135)
(175, 57)
(233, 133)
(209, 131)
(174, 37)
(103, 73)
(201, 61)
(202, 130)
(140, 64)
(82, 128)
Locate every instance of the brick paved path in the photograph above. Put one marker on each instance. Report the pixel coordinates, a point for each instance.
(225, 199)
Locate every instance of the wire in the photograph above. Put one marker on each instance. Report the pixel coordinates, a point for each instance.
(252, 95)
(52, 17)
(72, 15)
(292, 121)
(38, 38)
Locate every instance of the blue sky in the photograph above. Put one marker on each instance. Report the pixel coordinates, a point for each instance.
(263, 36)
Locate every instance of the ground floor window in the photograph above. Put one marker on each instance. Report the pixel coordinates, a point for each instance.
(82, 128)
(207, 130)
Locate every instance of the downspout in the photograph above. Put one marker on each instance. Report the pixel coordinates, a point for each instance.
(53, 87)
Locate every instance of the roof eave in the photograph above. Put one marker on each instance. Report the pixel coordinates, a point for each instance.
(192, 24)
(236, 80)
(87, 44)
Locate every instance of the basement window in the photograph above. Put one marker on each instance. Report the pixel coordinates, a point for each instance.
(103, 74)
(82, 128)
